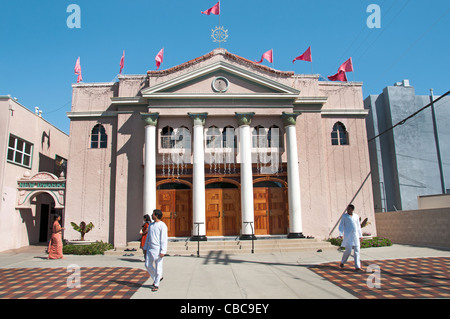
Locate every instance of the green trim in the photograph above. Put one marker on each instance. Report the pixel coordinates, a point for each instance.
(289, 118)
(150, 118)
(198, 118)
(244, 118)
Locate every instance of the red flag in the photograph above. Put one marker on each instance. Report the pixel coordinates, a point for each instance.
(122, 62)
(340, 76)
(306, 56)
(214, 10)
(159, 58)
(78, 70)
(268, 56)
(347, 66)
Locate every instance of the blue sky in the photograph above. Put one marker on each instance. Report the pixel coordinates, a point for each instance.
(38, 50)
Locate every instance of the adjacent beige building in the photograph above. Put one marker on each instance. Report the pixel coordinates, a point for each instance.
(223, 146)
(33, 157)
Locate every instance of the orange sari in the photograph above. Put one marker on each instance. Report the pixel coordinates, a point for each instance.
(144, 234)
(55, 245)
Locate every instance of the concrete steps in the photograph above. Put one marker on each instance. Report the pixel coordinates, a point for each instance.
(185, 247)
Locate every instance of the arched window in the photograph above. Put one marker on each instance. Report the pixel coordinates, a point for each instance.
(213, 137)
(182, 138)
(274, 136)
(339, 135)
(167, 139)
(99, 139)
(259, 137)
(228, 137)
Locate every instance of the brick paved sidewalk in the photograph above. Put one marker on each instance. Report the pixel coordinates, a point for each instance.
(60, 283)
(399, 278)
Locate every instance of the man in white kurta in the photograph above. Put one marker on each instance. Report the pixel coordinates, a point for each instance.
(156, 247)
(350, 228)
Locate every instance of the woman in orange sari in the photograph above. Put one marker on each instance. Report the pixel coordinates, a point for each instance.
(55, 245)
(144, 231)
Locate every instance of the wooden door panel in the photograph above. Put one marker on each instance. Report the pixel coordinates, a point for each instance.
(165, 201)
(182, 213)
(231, 211)
(213, 198)
(278, 212)
(261, 210)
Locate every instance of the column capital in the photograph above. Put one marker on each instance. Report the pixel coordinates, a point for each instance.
(150, 118)
(289, 118)
(244, 118)
(198, 118)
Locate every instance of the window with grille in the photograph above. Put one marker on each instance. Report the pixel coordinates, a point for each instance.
(99, 139)
(19, 151)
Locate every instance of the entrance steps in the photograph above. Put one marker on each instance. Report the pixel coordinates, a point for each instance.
(228, 245)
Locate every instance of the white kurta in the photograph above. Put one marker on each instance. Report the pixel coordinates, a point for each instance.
(156, 238)
(350, 228)
(155, 244)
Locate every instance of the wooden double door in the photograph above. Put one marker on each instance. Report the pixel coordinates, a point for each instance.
(223, 211)
(176, 206)
(271, 210)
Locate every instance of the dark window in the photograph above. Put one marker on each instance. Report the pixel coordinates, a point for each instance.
(99, 139)
(167, 137)
(19, 151)
(339, 135)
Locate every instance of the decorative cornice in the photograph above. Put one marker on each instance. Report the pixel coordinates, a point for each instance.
(230, 96)
(244, 118)
(321, 100)
(136, 100)
(222, 66)
(289, 118)
(198, 118)
(345, 112)
(150, 118)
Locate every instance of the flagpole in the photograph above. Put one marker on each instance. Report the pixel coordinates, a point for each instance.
(273, 64)
(220, 9)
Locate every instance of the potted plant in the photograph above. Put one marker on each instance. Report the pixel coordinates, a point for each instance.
(364, 224)
(82, 228)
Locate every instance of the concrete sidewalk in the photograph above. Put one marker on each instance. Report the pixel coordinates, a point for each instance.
(221, 276)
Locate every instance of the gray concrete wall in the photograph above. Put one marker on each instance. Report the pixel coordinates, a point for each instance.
(405, 159)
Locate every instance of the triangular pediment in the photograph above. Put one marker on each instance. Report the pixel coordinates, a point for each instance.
(220, 80)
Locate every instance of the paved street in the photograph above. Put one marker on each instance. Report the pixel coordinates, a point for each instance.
(215, 276)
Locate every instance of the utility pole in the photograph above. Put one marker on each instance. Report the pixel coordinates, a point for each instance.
(436, 140)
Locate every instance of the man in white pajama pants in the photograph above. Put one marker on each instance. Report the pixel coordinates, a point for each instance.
(156, 247)
(350, 228)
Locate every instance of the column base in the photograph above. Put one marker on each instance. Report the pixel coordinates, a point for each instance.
(199, 238)
(295, 235)
(247, 237)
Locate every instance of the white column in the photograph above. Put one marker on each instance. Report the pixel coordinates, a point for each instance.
(198, 178)
(245, 149)
(151, 120)
(294, 193)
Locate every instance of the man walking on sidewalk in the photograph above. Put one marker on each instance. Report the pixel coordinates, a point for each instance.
(156, 247)
(350, 228)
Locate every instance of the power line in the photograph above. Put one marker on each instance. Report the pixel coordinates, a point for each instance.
(409, 117)
(384, 29)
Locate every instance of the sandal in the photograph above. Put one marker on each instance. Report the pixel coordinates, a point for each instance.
(155, 288)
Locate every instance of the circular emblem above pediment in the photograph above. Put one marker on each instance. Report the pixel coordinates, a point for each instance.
(220, 84)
